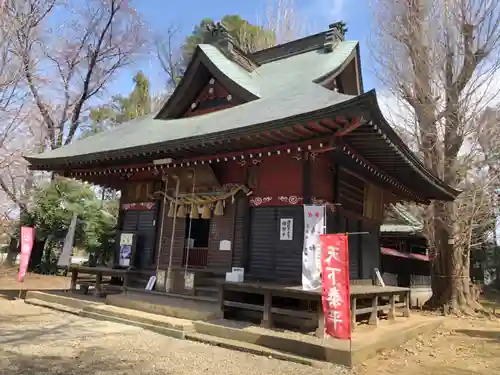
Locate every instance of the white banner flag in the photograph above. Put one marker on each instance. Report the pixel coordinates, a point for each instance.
(314, 226)
(65, 257)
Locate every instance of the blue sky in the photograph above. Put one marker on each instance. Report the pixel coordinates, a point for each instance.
(160, 14)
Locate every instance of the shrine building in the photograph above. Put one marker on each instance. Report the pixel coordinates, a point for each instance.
(244, 141)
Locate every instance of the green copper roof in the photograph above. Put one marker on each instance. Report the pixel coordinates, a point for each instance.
(285, 88)
(400, 219)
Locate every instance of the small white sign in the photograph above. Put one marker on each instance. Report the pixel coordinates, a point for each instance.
(239, 272)
(126, 239)
(286, 229)
(379, 278)
(151, 283)
(189, 281)
(225, 245)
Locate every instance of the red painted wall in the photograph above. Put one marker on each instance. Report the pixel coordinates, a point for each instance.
(322, 178)
(275, 180)
(218, 92)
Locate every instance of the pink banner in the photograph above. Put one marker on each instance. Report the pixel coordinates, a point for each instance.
(335, 281)
(27, 241)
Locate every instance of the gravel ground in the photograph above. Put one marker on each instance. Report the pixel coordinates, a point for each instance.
(35, 340)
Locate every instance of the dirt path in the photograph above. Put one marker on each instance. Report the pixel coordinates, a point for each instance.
(32, 281)
(36, 340)
(461, 347)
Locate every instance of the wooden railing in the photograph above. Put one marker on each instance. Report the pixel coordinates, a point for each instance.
(366, 300)
(197, 258)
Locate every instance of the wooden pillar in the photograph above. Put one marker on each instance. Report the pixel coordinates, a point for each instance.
(336, 193)
(306, 179)
(320, 332)
(98, 283)
(353, 313)
(74, 278)
(267, 316)
(406, 309)
(374, 314)
(392, 309)
(360, 249)
(220, 289)
(125, 282)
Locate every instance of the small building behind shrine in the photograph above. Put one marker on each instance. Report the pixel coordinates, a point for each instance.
(405, 258)
(219, 176)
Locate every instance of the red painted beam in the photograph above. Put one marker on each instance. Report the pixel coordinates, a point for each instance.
(353, 125)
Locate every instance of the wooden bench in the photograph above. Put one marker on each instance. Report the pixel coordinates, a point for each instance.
(99, 272)
(268, 291)
(374, 295)
(361, 292)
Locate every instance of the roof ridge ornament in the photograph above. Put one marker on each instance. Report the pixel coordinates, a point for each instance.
(335, 34)
(226, 43)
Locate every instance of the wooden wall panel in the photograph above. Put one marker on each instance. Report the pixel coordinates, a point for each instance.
(221, 229)
(178, 248)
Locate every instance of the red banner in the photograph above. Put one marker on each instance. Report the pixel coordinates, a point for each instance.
(27, 241)
(335, 280)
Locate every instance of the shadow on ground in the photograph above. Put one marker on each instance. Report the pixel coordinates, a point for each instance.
(483, 334)
(37, 350)
(87, 361)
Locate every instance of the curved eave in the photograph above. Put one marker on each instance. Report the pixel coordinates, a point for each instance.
(339, 69)
(169, 148)
(364, 105)
(393, 140)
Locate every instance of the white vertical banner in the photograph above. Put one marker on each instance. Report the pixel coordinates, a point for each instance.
(314, 226)
(65, 257)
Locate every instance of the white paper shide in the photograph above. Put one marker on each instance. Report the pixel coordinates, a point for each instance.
(314, 226)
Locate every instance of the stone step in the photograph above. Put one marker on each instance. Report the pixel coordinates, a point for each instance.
(150, 327)
(206, 291)
(53, 306)
(142, 317)
(248, 348)
(189, 297)
(171, 306)
(62, 299)
(271, 340)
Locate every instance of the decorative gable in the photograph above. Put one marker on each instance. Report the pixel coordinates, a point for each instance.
(193, 93)
(213, 97)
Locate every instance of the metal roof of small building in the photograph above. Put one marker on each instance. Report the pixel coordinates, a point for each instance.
(402, 221)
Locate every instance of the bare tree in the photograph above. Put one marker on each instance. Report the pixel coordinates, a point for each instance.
(56, 57)
(438, 59)
(169, 55)
(73, 63)
(64, 68)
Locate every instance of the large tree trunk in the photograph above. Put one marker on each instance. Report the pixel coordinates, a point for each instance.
(451, 287)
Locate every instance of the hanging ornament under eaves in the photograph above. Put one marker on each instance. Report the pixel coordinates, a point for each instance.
(171, 210)
(181, 212)
(194, 212)
(206, 213)
(219, 208)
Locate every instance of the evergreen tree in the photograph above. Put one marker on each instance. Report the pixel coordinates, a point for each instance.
(247, 36)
